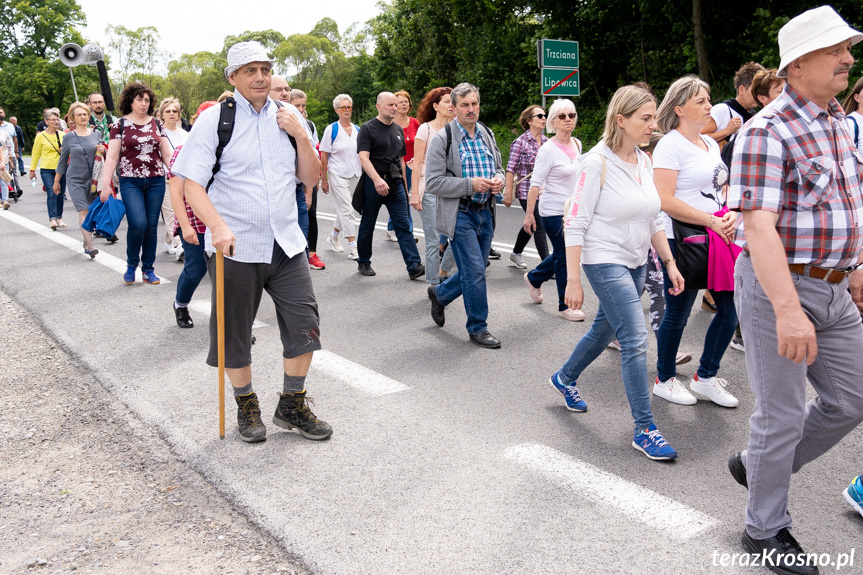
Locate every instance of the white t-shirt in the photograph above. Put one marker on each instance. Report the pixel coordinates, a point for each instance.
(9, 128)
(177, 137)
(556, 170)
(722, 114)
(856, 118)
(701, 176)
(344, 161)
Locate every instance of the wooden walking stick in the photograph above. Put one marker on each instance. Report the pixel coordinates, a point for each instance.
(220, 330)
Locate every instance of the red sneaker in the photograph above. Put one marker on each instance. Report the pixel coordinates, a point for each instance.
(315, 263)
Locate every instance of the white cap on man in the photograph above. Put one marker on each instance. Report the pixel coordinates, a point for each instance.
(813, 30)
(243, 53)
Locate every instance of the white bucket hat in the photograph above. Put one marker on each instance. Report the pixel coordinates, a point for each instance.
(244, 53)
(818, 28)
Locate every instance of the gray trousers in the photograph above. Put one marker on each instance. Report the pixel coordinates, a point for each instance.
(786, 432)
(432, 243)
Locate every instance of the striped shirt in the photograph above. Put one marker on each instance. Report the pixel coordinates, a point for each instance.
(522, 156)
(476, 159)
(798, 160)
(254, 191)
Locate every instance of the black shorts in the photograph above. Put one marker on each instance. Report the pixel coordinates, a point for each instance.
(289, 284)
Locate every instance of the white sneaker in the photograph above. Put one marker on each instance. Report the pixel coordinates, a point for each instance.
(572, 314)
(169, 249)
(334, 244)
(713, 388)
(352, 254)
(614, 345)
(391, 236)
(673, 391)
(517, 261)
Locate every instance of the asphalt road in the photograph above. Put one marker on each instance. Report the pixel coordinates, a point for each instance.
(446, 458)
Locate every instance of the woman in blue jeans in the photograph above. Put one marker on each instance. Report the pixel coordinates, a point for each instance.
(554, 171)
(139, 144)
(691, 179)
(46, 155)
(613, 219)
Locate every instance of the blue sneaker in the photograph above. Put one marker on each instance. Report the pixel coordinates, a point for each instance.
(854, 494)
(150, 278)
(129, 276)
(652, 444)
(570, 394)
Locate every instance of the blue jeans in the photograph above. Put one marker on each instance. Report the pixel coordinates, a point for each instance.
(4, 191)
(143, 200)
(470, 245)
(554, 264)
(55, 202)
(397, 206)
(302, 210)
(719, 332)
(194, 270)
(620, 316)
(408, 173)
(20, 165)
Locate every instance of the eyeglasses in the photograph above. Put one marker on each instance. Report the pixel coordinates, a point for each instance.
(540, 116)
(344, 108)
(285, 90)
(571, 116)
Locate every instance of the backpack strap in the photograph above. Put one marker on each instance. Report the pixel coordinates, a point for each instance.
(334, 131)
(735, 105)
(290, 137)
(856, 133)
(227, 115)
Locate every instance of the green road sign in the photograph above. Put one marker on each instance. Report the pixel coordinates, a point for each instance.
(559, 82)
(558, 54)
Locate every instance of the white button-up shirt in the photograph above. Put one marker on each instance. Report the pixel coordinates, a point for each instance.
(254, 191)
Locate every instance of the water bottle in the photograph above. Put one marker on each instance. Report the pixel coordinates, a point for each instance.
(33, 182)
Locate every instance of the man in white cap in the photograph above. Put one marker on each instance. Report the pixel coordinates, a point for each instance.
(253, 195)
(797, 179)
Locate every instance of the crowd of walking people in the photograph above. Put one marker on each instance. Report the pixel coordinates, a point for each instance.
(756, 199)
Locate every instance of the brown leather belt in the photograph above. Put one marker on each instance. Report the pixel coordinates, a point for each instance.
(830, 275)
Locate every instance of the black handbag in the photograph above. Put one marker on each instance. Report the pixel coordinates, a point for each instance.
(692, 245)
(358, 199)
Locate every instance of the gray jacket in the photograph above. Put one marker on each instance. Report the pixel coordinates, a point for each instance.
(441, 182)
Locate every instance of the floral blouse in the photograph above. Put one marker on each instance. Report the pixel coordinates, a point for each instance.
(140, 148)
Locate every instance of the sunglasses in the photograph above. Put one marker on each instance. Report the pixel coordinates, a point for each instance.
(171, 112)
(345, 108)
(571, 116)
(540, 116)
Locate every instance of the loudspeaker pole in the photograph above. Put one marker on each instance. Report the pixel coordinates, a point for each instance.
(74, 89)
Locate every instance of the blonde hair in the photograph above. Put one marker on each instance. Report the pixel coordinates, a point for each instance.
(225, 94)
(75, 106)
(680, 92)
(168, 102)
(558, 106)
(625, 102)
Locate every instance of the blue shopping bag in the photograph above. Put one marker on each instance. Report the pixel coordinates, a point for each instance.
(104, 217)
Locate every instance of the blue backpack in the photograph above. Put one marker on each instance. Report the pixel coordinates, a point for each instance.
(335, 131)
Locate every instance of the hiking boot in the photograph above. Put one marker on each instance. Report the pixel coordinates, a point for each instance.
(293, 413)
(251, 427)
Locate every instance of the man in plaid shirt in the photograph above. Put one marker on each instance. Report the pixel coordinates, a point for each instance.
(464, 171)
(797, 178)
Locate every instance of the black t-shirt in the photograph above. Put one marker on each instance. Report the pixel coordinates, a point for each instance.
(385, 145)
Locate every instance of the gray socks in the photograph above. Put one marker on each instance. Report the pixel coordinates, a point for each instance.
(294, 383)
(245, 390)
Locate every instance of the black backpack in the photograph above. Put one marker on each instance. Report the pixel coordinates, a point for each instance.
(728, 150)
(227, 115)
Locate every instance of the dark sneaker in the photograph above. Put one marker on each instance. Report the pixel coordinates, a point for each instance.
(293, 413)
(493, 254)
(418, 271)
(737, 469)
(183, 317)
(365, 269)
(150, 278)
(129, 276)
(782, 554)
(249, 420)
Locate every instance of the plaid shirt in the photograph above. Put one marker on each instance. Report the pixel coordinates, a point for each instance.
(798, 160)
(522, 156)
(197, 224)
(477, 160)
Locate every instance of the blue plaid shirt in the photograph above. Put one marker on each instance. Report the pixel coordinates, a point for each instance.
(477, 161)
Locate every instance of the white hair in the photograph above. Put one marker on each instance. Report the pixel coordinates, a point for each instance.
(561, 105)
(338, 100)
